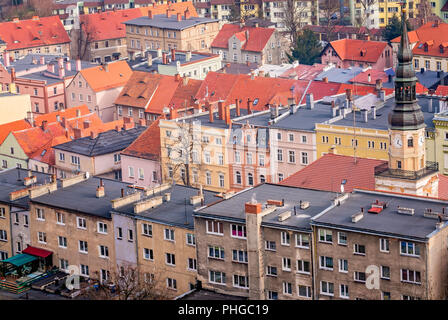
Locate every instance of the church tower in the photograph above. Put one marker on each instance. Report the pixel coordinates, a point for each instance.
(407, 171)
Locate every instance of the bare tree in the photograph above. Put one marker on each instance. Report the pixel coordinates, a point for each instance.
(366, 7)
(424, 11)
(82, 38)
(293, 16)
(130, 283)
(329, 10)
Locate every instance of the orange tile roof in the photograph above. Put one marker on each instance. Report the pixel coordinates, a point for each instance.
(442, 90)
(147, 145)
(363, 77)
(6, 128)
(67, 113)
(443, 187)
(34, 32)
(117, 74)
(350, 49)
(361, 90)
(185, 92)
(327, 173)
(258, 37)
(304, 72)
(433, 36)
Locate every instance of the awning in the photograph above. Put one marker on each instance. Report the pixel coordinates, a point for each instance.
(37, 252)
(20, 259)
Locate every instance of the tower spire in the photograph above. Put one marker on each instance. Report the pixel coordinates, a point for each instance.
(406, 114)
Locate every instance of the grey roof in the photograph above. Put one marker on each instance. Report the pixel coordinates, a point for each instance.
(340, 75)
(12, 180)
(177, 212)
(431, 79)
(204, 294)
(163, 22)
(141, 63)
(381, 121)
(81, 197)
(217, 123)
(106, 142)
(388, 221)
(239, 68)
(234, 208)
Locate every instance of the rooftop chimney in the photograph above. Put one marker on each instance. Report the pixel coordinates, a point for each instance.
(50, 67)
(221, 110)
(164, 60)
(42, 60)
(61, 72)
(373, 112)
(167, 13)
(173, 54)
(173, 113)
(369, 78)
(325, 79)
(6, 60)
(179, 17)
(78, 65)
(364, 115)
(68, 66)
(227, 115)
(309, 101)
(188, 56)
(237, 105)
(249, 106)
(100, 192)
(93, 134)
(187, 14)
(252, 208)
(44, 125)
(149, 14)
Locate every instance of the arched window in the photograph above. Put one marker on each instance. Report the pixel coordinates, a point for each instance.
(250, 179)
(238, 177)
(262, 179)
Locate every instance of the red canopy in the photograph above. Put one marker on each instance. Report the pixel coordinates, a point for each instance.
(37, 252)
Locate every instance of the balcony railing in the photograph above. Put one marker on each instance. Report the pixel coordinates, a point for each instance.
(385, 171)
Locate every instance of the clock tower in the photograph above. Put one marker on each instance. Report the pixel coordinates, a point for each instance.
(407, 171)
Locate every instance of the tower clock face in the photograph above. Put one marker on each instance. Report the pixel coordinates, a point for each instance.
(397, 141)
(421, 140)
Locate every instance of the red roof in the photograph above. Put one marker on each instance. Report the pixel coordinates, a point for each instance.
(443, 187)
(304, 72)
(114, 74)
(147, 145)
(351, 49)
(363, 77)
(257, 41)
(34, 32)
(6, 128)
(361, 90)
(327, 173)
(38, 252)
(442, 90)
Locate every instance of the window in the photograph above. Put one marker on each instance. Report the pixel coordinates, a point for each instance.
(286, 264)
(237, 157)
(272, 295)
(291, 137)
(191, 239)
(75, 160)
(84, 270)
(62, 156)
(326, 263)
(292, 156)
(214, 227)
(117, 157)
(130, 235)
(169, 234)
(102, 228)
(304, 157)
(303, 266)
(239, 256)
(279, 136)
(385, 295)
(83, 247)
(3, 235)
(217, 277)
(271, 271)
(385, 272)
(2, 213)
(147, 229)
(105, 275)
(131, 172)
(42, 237)
(342, 238)
(171, 283)
(238, 177)
(216, 252)
(303, 241)
(62, 242)
(25, 220)
(359, 276)
(240, 281)
(271, 246)
(238, 231)
(285, 238)
(148, 254)
(221, 180)
(359, 249)
(192, 264)
(249, 157)
(280, 177)
(409, 249)
(304, 139)
(60, 218)
(325, 236)
(40, 214)
(327, 288)
(104, 251)
(325, 139)
(208, 178)
(119, 233)
(384, 245)
(304, 291)
(63, 264)
(410, 276)
(343, 265)
(287, 288)
(343, 291)
(280, 155)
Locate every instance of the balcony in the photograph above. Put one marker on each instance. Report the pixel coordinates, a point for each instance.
(383, 170)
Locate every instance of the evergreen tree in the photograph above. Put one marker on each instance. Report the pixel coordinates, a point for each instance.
(307, 49)
(393, 28)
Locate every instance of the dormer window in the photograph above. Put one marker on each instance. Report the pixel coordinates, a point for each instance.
(410, 142)
(234, 45)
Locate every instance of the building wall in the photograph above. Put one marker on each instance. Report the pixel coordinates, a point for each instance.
(63, 49)
(73, 234)
(437, 265)
(126, 247)
(195, 70)
(148, 166)
(103, 51)
(87, 164)
(46, 100)
(184, 277)
(431, 63)
(74, 88)
(5, 225)
(20, 230)
(190, 39)
(105, 164)
(14, 107)
(19, 158)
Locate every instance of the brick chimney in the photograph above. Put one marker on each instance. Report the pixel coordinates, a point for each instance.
(187, 14)
(173, 54)
(149, 14)
(221, 110)
(44, 125)
(78, 65)
(42, 60)
(209, 107)
(238, 110)
(93, 134)
(77, 133)
(167, 13)
(50, 68)
(173, 113)
(6, 59)
(68, 66)
(249, 106)
(61, 72)
(227, 115)
(13, 75)
(325, 79)
(164, 58)
(177, 77)
(128, 123)
(179, 17)
(252, 208)
(86, 124)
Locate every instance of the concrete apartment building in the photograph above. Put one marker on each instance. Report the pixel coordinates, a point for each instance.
(170, 31)
(242, 44)
(397, 237)
(258, 243)
(45, 35)
(98, 154)
(275, 10)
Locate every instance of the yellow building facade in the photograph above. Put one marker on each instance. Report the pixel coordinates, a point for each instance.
(14, 106)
